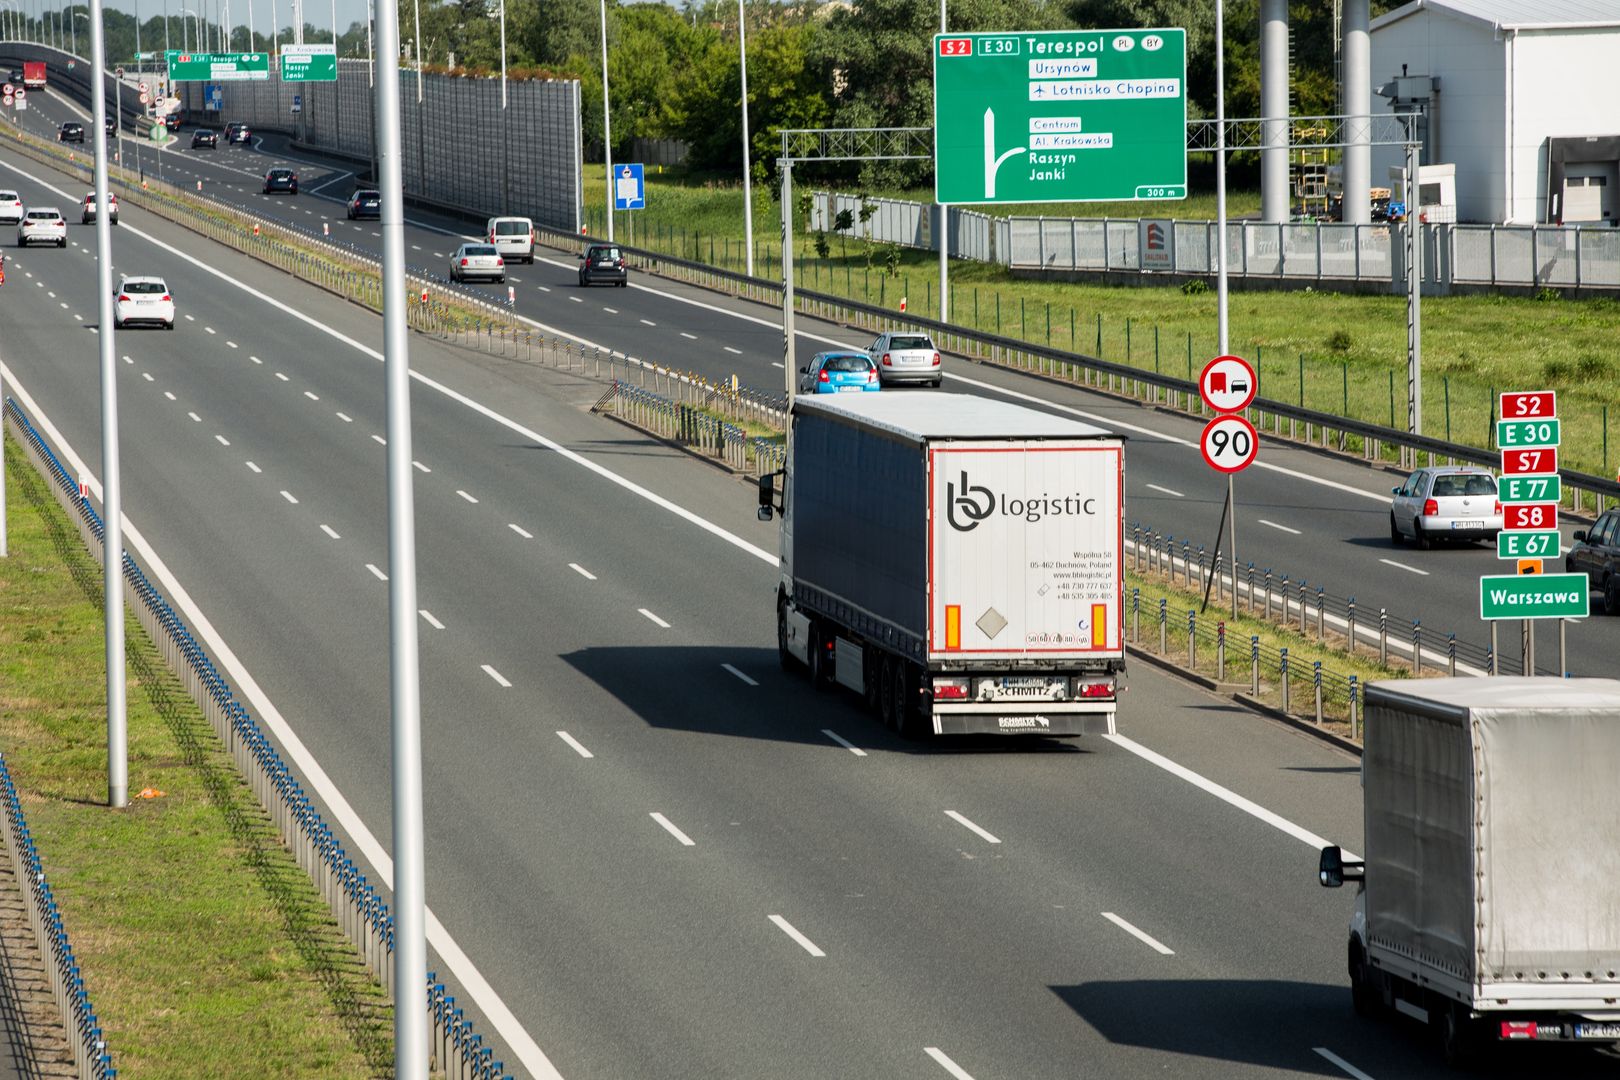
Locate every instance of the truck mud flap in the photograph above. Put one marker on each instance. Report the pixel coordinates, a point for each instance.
(1058, 724)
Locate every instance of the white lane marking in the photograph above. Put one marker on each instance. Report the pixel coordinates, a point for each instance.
(1339, 1062)
(376, 573)
(609, 310)
(655, 619)
(576, 299)
(311, 396)
(417, 465)
(289, 497)
(210, 329)
(575, 743)
(581, 571)
(52, 295)
(1403, 566)
(648, 322)
(233, 344)
(127, 360)
(282, 377)
(729, 349)
(252, 466)
(168, 395)
(1146, 939)
(416, 247)
(195, 418)
(776, 363)
(689, 337)
(147, 375)
(466, 496)
(966, 824)
(956, 1071)
(542, 288)
(1226, 795)
(379, 440)
(345, 418)
(189, 318)
(223, 441)
(520, 530)
(1280, 528)
(845, 743)
(741, 675)
(805, 943)
(255, 359)
(427, 617)
(1167, 491)
(500, 680)
(669, 827)
(329, 531)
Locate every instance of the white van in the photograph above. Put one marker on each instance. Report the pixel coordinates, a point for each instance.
(513, 237)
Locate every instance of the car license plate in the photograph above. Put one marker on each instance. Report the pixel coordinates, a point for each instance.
(1467, 524)
(850, 389)
(1597, 1031)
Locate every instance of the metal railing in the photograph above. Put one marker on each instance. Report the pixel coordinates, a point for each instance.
(356, 904)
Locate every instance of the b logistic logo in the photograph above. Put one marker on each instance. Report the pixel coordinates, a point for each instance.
(976, 503)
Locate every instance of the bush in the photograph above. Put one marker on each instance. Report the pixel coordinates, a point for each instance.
(1195, 287)
(1339, 341)
(1548, 295)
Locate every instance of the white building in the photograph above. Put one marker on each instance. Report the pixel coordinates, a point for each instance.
(1524, 99)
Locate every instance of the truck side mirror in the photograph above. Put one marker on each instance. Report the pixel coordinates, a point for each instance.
(767, 496)
(1333, 871)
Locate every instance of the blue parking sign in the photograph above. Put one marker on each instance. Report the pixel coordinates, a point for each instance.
(629, 189)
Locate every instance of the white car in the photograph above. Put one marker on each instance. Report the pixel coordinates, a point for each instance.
(87, 210)
(143, 300)
(42, 224)
(472, 261)
(11, 206)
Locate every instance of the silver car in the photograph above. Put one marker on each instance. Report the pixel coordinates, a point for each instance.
(1454, 502)
(477, 262)
(906, 357)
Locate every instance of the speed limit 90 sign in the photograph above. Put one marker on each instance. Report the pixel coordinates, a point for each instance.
(1229, 443)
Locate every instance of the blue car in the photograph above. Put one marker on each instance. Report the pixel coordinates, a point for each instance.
(839, 373)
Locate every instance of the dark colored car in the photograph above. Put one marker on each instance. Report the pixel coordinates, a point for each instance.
(112, 127)
(1597, 555)
(281, 180)
(365, 203)
(205, 137)
(603, 262)
(237, 132)
(72, 131)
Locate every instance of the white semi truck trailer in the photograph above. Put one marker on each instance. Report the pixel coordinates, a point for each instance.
(956, 560)
(1488, 903)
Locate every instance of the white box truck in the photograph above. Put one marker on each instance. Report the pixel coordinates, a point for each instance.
(956, 560)
(1489, 897)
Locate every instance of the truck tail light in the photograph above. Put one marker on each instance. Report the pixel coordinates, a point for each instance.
(1430, 508)
(950, 689)
(936, 359)
(886, 361)
(1518, 1029)
(1095, 689)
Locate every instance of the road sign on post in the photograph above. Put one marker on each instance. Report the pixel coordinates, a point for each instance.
(1060, 116)
(1229, 443)
(629, 187)
(1529, 492)
(1533, 596)
(309, 63)
(1227, 384)
(217, 67)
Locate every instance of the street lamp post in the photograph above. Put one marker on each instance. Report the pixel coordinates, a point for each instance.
(607, 128)
(506, 141)
(73, 30)
(748, 180)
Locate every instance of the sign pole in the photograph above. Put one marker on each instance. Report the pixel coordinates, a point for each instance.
(1527, 642)
(1222, 322)
(789, 368)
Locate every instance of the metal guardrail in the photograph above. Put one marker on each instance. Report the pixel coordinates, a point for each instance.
(355, 903)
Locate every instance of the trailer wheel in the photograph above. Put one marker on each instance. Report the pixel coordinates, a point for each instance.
(905, 706)
(821, 674)
(885, 692)
(782, 654)
(1460, 1039)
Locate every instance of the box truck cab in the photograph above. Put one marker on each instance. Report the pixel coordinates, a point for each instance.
(1488, 903)
(34, 74)
(955, 560)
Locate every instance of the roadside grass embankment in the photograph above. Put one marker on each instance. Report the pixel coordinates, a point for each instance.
(1338, 353)
(206, 949)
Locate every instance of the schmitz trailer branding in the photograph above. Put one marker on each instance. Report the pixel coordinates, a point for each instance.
(1025, 555)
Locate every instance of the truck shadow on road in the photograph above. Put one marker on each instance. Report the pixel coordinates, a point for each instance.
(689, 688)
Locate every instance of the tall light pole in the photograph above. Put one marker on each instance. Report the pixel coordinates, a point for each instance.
(73, 30)
(165, 30)
(506, 141)
(405, 691)
(607, 128)
(112, 500)
(748, 179)
(1221, 292)
(944, 237)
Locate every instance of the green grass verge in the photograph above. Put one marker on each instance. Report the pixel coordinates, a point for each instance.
(205, 949)
(1338, 353)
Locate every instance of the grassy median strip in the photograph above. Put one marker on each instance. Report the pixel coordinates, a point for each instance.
(205, 949)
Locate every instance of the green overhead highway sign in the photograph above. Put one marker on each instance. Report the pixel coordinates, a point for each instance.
(1513, 434)
(217, 67)
(309, 63)
(1534, 596)
(1528, 544)
(1530, 489)
(1060, 116)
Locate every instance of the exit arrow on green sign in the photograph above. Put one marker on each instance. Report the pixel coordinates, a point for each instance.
(1535, 596)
